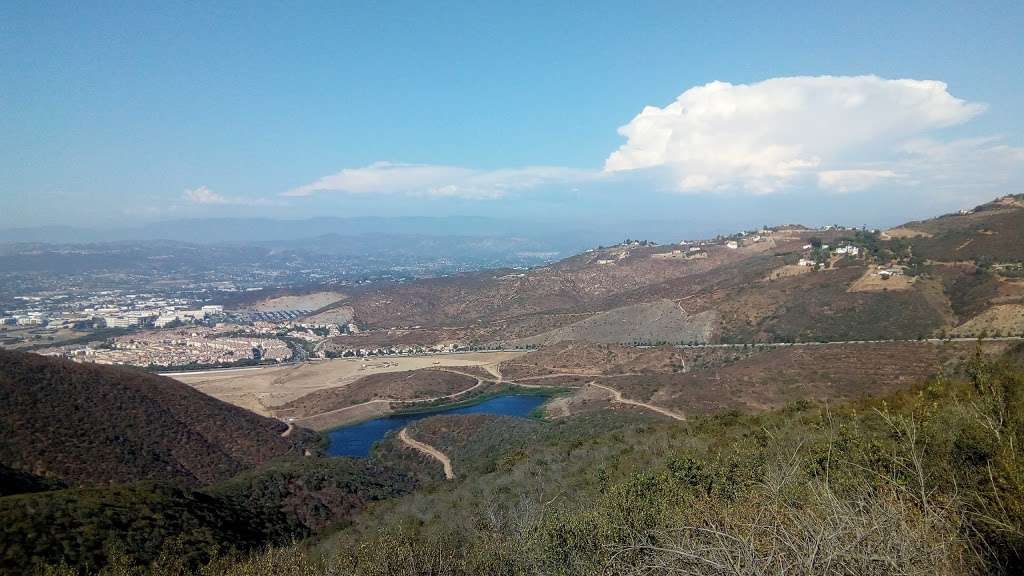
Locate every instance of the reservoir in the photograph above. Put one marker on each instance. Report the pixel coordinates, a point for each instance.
(357, 439)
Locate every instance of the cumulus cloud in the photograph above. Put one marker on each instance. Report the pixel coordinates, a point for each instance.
(441, 181)
(840, 134)
(763, 137)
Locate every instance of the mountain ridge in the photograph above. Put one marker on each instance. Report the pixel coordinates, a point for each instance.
(87, 424)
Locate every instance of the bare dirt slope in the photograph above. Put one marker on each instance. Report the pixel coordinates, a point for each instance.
(999, 320)
(659, 321)
(311, 301)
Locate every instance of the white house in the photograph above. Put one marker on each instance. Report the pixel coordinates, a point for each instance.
(732, 244)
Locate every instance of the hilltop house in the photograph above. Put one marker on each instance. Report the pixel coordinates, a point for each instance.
(889, 272)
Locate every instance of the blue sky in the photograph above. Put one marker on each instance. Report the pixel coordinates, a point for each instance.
(112, 112)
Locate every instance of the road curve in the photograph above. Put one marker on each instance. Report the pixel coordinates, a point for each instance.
(617, 397)
(429, 450)
(479, 382)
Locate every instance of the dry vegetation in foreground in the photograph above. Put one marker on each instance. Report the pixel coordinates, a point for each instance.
(924, 482)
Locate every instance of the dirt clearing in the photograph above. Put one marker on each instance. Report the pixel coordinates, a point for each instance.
(872, 281)
(263, 389)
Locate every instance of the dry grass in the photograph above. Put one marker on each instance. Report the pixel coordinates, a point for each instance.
(1003, 320)
(265, 389)
(872, 282)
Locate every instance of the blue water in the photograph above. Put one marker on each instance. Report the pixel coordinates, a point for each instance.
(356, 440)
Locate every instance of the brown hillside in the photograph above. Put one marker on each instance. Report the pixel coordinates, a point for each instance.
(991, 231)
(591, 282)
(642, 293)
(84, 423)
(771, 378)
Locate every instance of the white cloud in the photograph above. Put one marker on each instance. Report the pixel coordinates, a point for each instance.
(441, 181)
(766, 136)
(853, 180)
(841, 134)
(971, 168)
(203, 195)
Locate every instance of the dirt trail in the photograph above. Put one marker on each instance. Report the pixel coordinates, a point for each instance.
(460, 372)
(617, 397)
(495, 370)
(429, 451)
(520, 381)
(482, 381)
(547, 386)
(479, 382)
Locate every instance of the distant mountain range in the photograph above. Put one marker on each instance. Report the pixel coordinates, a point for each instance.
(563, 236)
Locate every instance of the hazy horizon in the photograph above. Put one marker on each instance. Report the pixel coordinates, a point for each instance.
(576, 231)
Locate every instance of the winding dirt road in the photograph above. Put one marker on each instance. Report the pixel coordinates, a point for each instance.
(479, 382)
(617, 397)
(429, 450)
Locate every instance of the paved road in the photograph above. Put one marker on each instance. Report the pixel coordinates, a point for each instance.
(845, 342)
(311, 360)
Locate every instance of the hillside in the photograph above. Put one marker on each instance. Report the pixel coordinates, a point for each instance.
(659, 321)
(88, 527)
(712, 404)
(948, 269)
(89, 424)
(992, 231)
(925, 481)
(181, 528)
